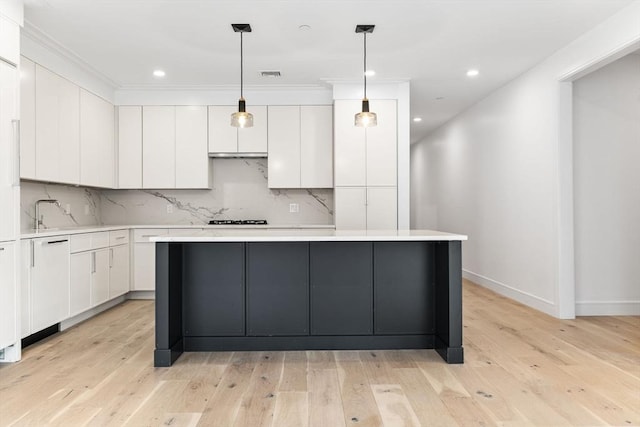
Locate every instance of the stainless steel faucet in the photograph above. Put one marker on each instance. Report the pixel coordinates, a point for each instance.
(39, 218)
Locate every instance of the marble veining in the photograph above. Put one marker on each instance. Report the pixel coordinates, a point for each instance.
(239, 191)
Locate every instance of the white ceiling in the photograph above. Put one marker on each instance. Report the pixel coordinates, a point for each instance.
(432, 43)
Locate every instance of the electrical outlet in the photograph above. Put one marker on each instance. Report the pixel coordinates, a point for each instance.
(169, 208)
(294, 208)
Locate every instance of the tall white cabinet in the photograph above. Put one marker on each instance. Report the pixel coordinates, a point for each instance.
(300, 146)
(10, 21)
(97, 141)
(365, 167)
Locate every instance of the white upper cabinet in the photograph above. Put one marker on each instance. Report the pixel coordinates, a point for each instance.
(382, 208)
(300, 147)
(365, 156)
(284, 147)
(174, 147)
(350, 146)
(27, 119)
(226, 139)
(130, 147)
(382, 145)
(351, 208)
(57, 128)
(192, 161)
(97, 141)
(159, 144)
(316, 146)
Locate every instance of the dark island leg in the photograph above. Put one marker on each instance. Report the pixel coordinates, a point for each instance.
(169, 344)
(449, 301)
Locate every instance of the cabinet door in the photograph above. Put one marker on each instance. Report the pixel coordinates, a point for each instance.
(27, 249)
(277, 289)
(119, 270)
(192, 159)
(47, 125)
(382, 145)
(158, 147)
(254, 139)
(341, 288)
(382, 210)
(284, 147)
(9, 300)
(223, 138)
(316, 146)
(213, 289)
(97, 134)
(27, 119)
(144, 267)
(403, 296)
(350, 208)
(129, 147)
(8, 147)
(100, 277)
(69, 132)
(49, 282)
(350, 147)
(80, 282)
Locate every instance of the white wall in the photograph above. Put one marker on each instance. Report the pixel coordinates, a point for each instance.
(493, 173)
(606, 152)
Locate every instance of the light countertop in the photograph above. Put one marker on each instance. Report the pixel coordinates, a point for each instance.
(318, 235)
(51, 232)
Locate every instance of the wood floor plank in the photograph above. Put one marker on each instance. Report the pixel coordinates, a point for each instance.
(325, 405)
(292, 409)
(394, 406)
(358, 402)
(294, 374)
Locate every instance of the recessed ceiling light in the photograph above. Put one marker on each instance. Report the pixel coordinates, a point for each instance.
(439, 98)
(159, 73)
(472, 72)
(370, 73)
(304, 27)
(417, 119)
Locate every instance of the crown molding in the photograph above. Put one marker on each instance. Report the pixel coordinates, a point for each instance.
(42, 38)
(230, 88)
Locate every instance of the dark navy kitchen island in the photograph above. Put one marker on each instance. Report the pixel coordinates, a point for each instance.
(322, 290)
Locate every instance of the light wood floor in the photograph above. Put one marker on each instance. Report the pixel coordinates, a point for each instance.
(522, 368)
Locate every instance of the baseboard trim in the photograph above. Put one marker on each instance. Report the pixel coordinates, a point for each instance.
(141, 295)
(607, 308)
(533, 301)
(85, 315)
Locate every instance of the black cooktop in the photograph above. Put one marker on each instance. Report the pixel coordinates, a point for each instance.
(238, 222)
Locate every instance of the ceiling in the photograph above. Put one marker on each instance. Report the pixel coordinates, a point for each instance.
(431, 43)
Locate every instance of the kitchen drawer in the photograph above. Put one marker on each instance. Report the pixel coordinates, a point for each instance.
(80, 242)
(88, 241)
(118, 237)
(143, 235)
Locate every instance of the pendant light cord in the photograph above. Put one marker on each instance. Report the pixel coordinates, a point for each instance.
(365, 65)
(241, 67)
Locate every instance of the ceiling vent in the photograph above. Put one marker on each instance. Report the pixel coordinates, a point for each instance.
(270, 74)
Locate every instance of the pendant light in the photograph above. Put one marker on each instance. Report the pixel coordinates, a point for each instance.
(241, 119)
(365, 118)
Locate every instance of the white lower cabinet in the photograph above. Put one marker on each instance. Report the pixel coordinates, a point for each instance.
(144, 259)
(118, 270)
(366, 208)
(45, 283)
(99, 268)
(8, 302)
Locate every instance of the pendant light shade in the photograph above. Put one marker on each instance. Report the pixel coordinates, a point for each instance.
(241, 119)
(365, 118)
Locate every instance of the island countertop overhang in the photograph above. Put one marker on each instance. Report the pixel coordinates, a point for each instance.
(320, 235)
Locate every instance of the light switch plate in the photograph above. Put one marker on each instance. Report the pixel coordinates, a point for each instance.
(294, 208)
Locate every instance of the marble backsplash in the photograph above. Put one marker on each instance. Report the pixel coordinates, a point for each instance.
(79, 206)
(239, 191)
